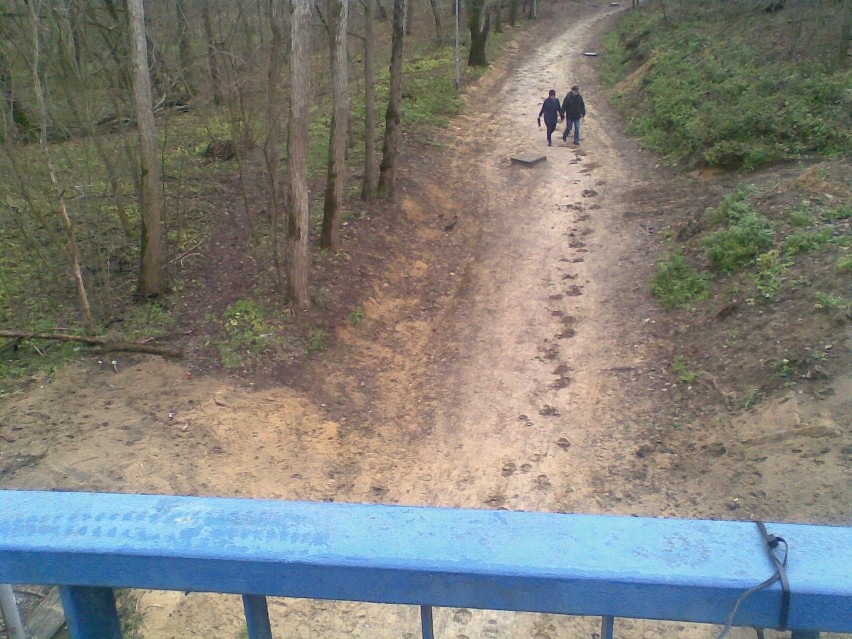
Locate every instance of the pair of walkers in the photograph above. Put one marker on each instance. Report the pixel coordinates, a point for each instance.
(572, 109)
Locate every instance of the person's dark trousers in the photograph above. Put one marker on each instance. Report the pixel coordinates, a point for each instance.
(551, 127)
(575, 124)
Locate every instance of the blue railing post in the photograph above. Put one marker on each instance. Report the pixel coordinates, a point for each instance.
(805, 634)
(90, 612)
(426, 622)
(607, 627)
(257, 617)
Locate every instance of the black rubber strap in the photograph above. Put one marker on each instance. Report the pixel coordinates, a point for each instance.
(772, 542)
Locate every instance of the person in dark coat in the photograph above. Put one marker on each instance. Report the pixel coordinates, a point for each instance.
(552, 111)
(573, 110)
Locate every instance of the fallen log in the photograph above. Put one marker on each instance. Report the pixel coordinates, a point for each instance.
(104, 345)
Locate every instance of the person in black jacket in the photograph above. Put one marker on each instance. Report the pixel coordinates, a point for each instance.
(552, 111)
(573, 110)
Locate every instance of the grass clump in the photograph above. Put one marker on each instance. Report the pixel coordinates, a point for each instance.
(247, 334)
(676, 285)
(681, 370)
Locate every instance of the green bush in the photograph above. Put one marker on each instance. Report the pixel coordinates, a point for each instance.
(770, 273)
(806, 241)
(733, 207)
(801, 216)
(675, 284)
(842, 212)
(736, 246)
(827, 301)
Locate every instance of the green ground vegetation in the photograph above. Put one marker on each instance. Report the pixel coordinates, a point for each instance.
(757, 254)
(212, 167)
(728, 84)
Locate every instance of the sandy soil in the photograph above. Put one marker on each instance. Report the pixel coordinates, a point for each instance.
(510, 358)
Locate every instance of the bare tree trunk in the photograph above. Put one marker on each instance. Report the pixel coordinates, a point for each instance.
(845, 37)
(339, 20)
(151, 266)
(381, 12)
(184, 47)
(35, 7)
(368, 188)
(297, 192)
(212, 53)
(436, 14)
(113, 36)
(479, 22)
(409, 16)
(393, 115)
(271, 148)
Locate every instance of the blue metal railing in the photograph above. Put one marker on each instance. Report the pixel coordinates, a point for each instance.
(607, 566)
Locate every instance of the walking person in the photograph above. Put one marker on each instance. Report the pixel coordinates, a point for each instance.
(573, 110)
(552, 111)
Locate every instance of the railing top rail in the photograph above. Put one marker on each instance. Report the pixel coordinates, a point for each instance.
(689, 570)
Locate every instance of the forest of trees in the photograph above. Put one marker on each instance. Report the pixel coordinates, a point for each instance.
(113, 109)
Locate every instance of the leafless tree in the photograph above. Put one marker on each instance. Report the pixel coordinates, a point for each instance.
(271, 147)
(151, 265)
(298, 257)
(368, 187)
(212, 53)
(393, 115)
(436, 15)
(338, 11)
(409, 16)
(184, 47)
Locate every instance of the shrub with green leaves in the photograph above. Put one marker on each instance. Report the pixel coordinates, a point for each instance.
(770, 273)
(739, 244)
(676, 284)
(842, 212)
(806, 241)
(827, 301)
(733, 207)
(801, 217)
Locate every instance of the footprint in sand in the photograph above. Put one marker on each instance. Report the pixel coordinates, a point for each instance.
(462, 615)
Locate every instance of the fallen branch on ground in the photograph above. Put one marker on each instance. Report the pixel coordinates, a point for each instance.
(103, 344)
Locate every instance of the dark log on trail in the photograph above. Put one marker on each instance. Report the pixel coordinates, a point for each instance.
(104, 345)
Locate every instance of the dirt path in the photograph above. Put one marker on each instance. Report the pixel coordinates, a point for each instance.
(504, 361)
